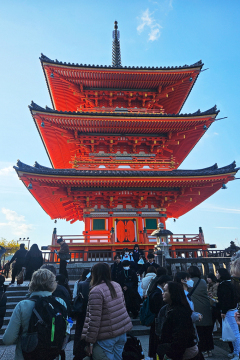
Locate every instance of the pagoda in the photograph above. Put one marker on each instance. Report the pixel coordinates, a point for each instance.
(115, 138)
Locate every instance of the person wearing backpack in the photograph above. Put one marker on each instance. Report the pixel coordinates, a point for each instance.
(83, 291)
(41, 287)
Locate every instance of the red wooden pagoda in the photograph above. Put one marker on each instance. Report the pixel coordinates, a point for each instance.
(115, 139)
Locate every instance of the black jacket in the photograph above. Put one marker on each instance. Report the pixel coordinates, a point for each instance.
(226, 296)
(63, 294)
(19, 256)
(177, 332)
(115, 270)
(32, 263)
(156, 301)
(128, 278)
(136, 255)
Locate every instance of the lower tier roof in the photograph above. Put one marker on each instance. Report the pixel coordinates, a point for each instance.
(68, 193)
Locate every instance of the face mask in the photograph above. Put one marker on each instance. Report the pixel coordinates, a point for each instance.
(88, 275)
(190, 283)
(126, 267)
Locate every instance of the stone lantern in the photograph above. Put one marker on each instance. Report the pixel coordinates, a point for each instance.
(162, 247)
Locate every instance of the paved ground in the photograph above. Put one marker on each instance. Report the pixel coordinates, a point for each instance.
(7, 352)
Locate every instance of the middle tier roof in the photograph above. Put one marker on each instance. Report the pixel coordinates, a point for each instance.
(119, 139)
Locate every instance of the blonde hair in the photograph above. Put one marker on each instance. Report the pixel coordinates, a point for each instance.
(235, 267)
(43, 280)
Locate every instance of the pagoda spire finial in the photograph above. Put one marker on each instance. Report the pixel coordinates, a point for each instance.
(116, 53)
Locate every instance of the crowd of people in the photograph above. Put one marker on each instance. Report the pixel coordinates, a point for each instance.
(184, 308)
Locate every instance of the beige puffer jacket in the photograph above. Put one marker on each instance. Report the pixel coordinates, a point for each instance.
(106, 318)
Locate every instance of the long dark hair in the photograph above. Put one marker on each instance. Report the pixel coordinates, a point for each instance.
(34, 251)
(101, 273)
(178, 296)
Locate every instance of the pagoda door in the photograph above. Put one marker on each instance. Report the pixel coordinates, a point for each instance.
(126, 230)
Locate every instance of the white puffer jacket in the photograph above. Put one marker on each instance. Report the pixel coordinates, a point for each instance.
(146, 282)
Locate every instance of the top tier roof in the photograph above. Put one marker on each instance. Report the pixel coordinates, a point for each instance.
(77, 86)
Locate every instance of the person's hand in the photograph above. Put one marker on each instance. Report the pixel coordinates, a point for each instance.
(89, 349)
(125, 288)
(237, 317)
(210, 294)
(223, 316)
(200, 317)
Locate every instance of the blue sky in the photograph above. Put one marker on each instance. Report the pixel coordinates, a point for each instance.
(153, 33)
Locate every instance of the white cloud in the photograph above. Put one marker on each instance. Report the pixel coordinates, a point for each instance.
(6, 171)
(148, 21)
(215, 133)
(16, 223)
(213, 208)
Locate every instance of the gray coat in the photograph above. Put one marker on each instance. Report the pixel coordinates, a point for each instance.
(202, 303)
(20, 317)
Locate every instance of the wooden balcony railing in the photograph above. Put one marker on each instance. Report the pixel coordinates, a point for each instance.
(108, 256)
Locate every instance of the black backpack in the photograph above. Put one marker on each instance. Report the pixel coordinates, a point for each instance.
(46, 334)
(132, 349)
(79, 306)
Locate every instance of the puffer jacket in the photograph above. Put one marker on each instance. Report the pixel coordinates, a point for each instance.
(106, 318)
(146, 282)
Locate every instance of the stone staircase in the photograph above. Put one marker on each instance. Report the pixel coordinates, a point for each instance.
(18, 293)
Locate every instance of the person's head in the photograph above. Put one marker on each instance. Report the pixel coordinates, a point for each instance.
(34, 250)
(117, 259)
(174, 295)
(194, 272)
(61, 279)
(150, 257)
(50, 268)
(126, 264)
(161, 271)
(136, 247)
(60, 241)
(151, 269)
(183, 278)
(126, 251)
(85, 274)
(22, 246)
(211, 278)
(101, 272)
(235, 267)
(163, 280)
(2, 279)
(223, 274)
(43, 280)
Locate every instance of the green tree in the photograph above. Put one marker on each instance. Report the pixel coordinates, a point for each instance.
(11, 246)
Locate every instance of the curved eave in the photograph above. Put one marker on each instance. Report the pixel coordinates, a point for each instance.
(195, 68)
(39, 170)
(57, 192)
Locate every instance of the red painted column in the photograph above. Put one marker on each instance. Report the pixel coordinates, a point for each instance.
(163, 220)
(140, 229)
